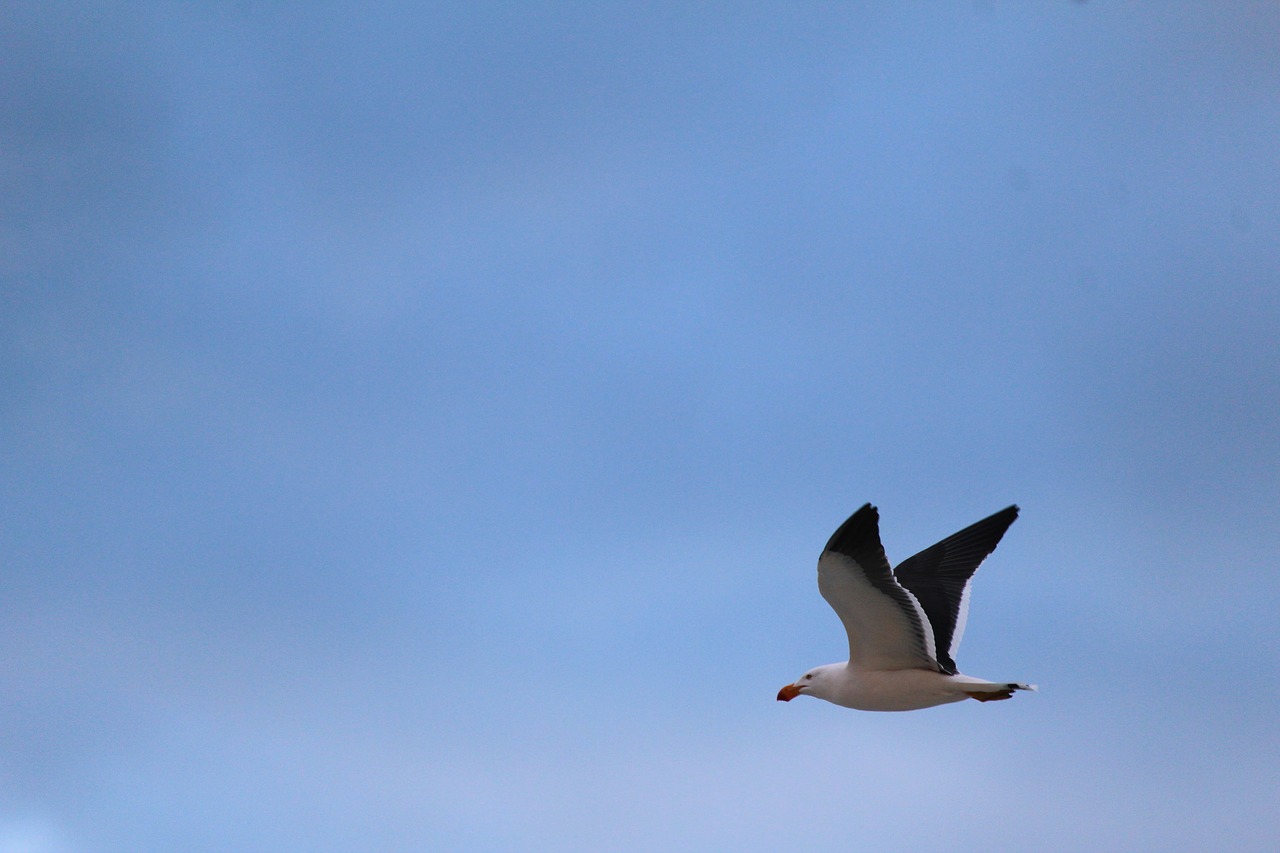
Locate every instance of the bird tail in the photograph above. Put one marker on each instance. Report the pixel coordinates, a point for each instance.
(995, 692)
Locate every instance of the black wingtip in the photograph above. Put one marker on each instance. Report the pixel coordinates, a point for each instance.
(858, 531)
(1010, 512)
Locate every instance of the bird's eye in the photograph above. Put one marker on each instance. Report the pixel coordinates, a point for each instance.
(809, 676)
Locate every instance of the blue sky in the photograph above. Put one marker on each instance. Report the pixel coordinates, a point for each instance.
(421, 422)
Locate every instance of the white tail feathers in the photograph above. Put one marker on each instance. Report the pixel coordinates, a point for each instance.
(997, 691)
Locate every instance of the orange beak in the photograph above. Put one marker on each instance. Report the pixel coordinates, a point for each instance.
(788, 693)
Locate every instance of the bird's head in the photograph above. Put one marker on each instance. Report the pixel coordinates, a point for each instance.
(812, 683)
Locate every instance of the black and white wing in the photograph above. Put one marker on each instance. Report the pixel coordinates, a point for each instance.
(887, 627)
(939, 578)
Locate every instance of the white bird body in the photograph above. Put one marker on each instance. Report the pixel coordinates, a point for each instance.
(904, 625)
(898, 689)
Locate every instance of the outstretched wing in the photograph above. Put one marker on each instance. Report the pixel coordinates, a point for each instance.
(887, 627)
(939, 578)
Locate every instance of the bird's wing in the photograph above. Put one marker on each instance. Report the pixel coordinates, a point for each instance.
(887, 627)
(939, 578)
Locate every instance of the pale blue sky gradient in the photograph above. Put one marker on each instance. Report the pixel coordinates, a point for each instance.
(421, 422)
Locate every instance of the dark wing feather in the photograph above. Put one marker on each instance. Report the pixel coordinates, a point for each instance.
(939, 579)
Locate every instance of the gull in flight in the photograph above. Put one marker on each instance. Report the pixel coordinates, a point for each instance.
(905, 624)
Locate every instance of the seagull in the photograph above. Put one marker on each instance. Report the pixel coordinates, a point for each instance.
(904, 625)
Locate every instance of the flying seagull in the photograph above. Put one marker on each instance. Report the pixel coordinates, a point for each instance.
(904, 625)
